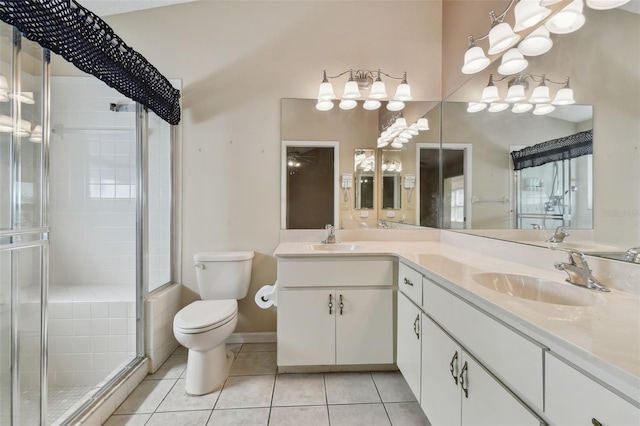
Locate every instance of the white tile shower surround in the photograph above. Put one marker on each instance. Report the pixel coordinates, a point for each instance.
(254, 394)
(88, 340)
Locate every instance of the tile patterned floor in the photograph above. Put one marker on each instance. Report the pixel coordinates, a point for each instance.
(255, 395)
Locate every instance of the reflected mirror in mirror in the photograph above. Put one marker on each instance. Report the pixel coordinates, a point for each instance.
(552, 186)
(364, 161)
(309, 178)
(391, 171)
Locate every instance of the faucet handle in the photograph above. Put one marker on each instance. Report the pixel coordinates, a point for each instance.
(632, 255)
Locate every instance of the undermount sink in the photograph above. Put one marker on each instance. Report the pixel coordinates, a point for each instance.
(537, 289)
(336, 247)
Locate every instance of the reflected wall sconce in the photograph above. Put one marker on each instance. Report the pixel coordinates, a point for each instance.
(391, 166)
(397, 133)
(363, 80)
(539, 100)
(528, 13)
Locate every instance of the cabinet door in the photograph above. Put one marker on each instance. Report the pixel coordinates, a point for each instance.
(306, 327)
(409, 341)
(486, 402)
(574, 399)
(364, 326)
(440, 399)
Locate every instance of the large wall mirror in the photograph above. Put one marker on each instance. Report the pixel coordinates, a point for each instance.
(587, 191)
(376, 189)
(482, 192)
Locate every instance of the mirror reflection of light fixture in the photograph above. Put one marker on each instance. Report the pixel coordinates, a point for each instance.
(501, 36)
(529, 13)
(512, 62)
(6, 126)
(36, 134)
(4, 89)
(363, 80)
(516, 95)
(24, 97)
(606, 4)
(567, 20)
(537, 43)
(498, 106)
(397, 132)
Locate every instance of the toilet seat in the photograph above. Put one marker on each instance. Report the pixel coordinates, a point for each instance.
(204, 315)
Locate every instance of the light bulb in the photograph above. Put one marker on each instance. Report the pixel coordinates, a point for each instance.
(498, 106)
(395, 105)
(568, 20)
(512, 62)
(536, 43)
(324, 105)
(542, 109)
(371, 104)
(521, 107)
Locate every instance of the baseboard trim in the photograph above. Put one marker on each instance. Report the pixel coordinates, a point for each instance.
(259, 337)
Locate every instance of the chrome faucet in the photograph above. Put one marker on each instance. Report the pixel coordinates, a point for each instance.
(632, 255)
(578, 271)
(383, 224)
(558, 235)
(331, 237)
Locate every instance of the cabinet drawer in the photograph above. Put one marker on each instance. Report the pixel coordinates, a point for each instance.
(512, 358)
(410, 283)
(332, 272)
(575, 399)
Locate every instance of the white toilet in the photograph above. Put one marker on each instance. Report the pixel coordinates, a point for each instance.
(204, 325)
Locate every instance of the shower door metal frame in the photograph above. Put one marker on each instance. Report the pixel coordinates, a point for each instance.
(36, 237)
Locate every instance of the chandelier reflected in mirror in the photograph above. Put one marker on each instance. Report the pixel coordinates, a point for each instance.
(360, 81)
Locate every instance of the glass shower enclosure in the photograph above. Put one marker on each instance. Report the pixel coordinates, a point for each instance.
(86, 234)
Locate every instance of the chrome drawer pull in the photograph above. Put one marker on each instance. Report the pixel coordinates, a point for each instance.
(341, 305)
(330, 304)
(452, 368)
(462, 383)
(595, 422)
(407, 282)
(416, 326)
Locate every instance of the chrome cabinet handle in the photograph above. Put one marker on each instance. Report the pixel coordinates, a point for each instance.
(330, 304)
(416, 326)
(454, 360)
(595, 422)
(462, 382)
(341, 305)
(407, 282)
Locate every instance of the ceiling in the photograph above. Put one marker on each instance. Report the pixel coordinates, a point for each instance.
(114, 7)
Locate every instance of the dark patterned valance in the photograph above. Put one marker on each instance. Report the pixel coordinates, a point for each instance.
(85, 40)
(554, 150)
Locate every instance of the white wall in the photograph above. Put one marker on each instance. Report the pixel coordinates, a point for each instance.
(237, 60)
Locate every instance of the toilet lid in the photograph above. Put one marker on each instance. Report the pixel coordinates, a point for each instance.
(203, 315)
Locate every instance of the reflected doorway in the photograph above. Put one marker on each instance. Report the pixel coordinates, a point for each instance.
(309, 180)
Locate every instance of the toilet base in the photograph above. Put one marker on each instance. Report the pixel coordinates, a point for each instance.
(207, 371)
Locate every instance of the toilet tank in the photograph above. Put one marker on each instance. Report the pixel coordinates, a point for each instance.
(223, 274)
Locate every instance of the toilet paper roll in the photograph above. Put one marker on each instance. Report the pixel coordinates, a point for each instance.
(267, 296)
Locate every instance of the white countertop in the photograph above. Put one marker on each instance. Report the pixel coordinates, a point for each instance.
(603, 339)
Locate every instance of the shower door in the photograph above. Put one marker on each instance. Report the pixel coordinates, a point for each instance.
(23, 230)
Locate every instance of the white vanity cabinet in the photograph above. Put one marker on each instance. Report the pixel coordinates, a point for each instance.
(457, 390)
(572, 398)
(335, 311)
(409, 341)
(464, 366)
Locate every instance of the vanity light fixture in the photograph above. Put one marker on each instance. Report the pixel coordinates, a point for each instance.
(397, 133)
(516, 95)
(359, 81)
(528, 13)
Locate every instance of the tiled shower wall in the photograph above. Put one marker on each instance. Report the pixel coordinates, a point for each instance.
(93, 177)
(93, 231)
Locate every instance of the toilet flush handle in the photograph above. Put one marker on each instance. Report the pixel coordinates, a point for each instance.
(199, 265)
